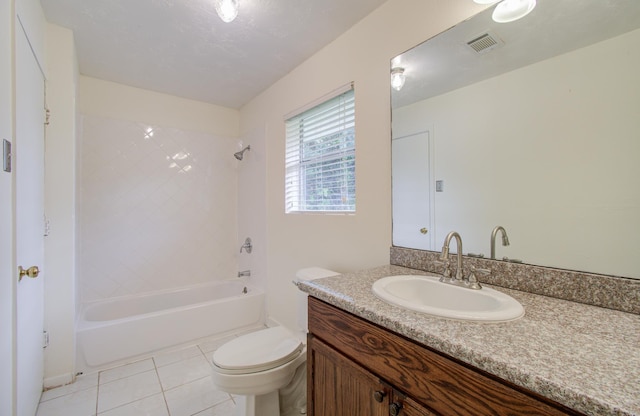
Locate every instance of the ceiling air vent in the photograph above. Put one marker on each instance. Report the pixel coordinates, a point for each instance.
(485, 42)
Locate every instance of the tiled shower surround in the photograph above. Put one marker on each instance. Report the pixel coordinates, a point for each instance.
(157, 208)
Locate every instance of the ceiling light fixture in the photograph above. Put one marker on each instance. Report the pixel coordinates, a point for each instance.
(510, 10)
(397, 78)
(227, 9)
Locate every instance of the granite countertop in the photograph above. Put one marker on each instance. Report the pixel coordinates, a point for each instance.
(585, 357)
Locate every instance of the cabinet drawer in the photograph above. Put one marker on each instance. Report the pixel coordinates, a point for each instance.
(431, 378)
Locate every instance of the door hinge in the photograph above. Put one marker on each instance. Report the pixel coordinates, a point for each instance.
(6, 155)
(45, 339)
(47, 116)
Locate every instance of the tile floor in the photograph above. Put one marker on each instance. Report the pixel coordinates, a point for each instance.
(172, 383)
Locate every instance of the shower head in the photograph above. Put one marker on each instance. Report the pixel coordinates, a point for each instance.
(240, 154)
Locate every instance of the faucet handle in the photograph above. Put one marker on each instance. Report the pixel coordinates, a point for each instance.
(511, 260)
(446, 271)
(473, 280)
(483, 272)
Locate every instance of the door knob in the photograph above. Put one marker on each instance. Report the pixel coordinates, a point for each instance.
(31, 272)
(424, 230)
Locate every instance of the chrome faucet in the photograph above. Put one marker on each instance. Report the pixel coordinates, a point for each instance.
(505, 239)
(445, 255)
(471, 281)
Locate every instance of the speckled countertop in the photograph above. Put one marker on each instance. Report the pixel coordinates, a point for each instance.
(585, 357)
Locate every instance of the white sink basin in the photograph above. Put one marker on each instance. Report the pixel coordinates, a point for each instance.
(428, 295)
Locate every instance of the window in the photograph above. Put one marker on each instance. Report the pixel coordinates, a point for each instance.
(320, 156)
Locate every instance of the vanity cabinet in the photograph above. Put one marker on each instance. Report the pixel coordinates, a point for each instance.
(343, 388)
(358, 368)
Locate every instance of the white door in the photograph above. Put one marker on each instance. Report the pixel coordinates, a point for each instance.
(29, 174)
(412, 192)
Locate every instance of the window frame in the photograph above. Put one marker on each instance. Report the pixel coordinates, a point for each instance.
(320, 155)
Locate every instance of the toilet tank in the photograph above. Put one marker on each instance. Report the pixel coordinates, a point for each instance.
(310, 273)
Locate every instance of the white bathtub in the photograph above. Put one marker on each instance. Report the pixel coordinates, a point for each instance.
(122, 328)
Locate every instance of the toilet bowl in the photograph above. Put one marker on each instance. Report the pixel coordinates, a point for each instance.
(256, 366)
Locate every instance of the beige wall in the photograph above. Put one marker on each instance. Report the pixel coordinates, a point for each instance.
(340, 242)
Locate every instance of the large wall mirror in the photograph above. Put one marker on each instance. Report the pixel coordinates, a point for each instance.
(532, 125)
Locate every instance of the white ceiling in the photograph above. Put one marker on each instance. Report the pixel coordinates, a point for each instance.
(181, 47)
(554, 27)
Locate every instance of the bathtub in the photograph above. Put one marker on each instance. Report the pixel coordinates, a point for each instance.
(123, 328)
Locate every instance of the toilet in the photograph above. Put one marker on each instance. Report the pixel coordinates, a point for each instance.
(257, 367)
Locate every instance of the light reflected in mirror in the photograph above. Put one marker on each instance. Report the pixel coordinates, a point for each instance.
(538, 133)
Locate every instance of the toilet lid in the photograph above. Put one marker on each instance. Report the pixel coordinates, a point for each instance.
(258, 351)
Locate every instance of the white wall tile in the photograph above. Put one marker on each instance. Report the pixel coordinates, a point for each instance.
(157, 209)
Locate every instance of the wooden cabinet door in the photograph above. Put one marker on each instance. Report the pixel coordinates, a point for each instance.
(339, 387)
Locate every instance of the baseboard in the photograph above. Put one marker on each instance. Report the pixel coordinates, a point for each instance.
(57, 381)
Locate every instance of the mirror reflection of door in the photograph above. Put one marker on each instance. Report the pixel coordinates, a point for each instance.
(413, 216)
(29, 194)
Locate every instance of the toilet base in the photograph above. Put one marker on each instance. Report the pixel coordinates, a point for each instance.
(263, 405)
(291, 400)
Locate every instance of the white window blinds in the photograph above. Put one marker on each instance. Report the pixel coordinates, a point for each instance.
(320, 157)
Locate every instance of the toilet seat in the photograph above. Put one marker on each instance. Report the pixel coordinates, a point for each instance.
(258, 351)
